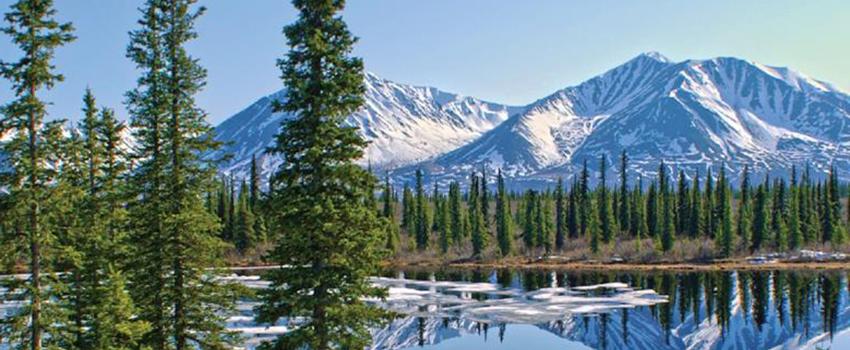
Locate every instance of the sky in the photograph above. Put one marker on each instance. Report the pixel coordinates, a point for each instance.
(499, 50)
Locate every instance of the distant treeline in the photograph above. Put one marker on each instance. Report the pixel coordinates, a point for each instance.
(770, 214)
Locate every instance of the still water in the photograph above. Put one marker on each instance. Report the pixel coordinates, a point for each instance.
(536, 309)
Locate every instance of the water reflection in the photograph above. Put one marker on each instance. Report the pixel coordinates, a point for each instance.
(716, 310)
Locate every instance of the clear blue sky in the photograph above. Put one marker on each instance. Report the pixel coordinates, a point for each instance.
(500, 50)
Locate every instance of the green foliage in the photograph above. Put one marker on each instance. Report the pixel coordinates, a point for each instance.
(504, 225)
(332, 241)
(34, 203)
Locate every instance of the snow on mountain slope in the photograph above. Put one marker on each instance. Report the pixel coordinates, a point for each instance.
(692, 114)
(404, 124)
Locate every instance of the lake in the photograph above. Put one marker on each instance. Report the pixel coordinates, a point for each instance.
(537, 309)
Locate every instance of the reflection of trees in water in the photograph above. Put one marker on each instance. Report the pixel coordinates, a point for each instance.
(794, 298)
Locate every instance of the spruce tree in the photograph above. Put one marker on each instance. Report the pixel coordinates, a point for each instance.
(833, 228)
(708, 207)
(584, 202)
(560, 214)
(779, 215)
(723, 237)
(422, 228)
(504, 226)
(543, 222)
(761, 220)
(26, 180)
(744, 216)
(255, 183)
(695, 226)
(244, 233)
(624, 198)
(478, 230)
(683, 204)
(795, 233)
(332, 241)
(668, 225)
(606, 214)
(594, 231)
(573, 211)
(408, 218)
(175, 253)
(653, 209)
(529, 232)
(388, 213)
(456, 214)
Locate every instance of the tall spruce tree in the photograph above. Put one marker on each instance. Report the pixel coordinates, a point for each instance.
(254, 177)
(668, 225)
(606, 215)
(478, 230)
(695, 226)
(573, 211)
(584, 201)
(408, 217)
(625, 200)
(504, 226)
(388, 213)
(27, 180)
(422, 227)
(529, 232)
(761, 219)
(176, 243)
(723, 237)
(332, 241)
(456, 214)
(560, 214)
(743, 224)
(683, 204)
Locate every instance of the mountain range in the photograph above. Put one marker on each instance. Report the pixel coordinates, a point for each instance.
(694, 114)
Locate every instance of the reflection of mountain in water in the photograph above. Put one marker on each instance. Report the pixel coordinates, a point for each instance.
(748, 310)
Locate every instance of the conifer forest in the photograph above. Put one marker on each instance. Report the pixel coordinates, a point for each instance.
(122, 231)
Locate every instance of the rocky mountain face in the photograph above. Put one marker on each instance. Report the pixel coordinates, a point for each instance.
(695, 114)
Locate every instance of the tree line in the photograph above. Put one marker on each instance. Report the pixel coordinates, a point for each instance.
(771, 215)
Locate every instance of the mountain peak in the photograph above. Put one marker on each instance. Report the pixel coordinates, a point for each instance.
(655, 55)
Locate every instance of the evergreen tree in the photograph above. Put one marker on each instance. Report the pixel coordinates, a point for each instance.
(529, 232)
(388, 212)
(638, 226)
(584, 204)
(624, 198)
(695, 226)
(422, 227)
(255, 184)
(478, 229)
(723, 237)
(708, 207)
(744, 217)
(653, 222)
(594, 231)
(683, 204)
(504, 226)
(456, 214)
(795, 233)
(833, 229)
(333, 240)
(606, 215)
(543, 222)
(114, 326)
(560, 215)
(779, 216)
(245, 236)
(485, 200)
(408, 218)
(573, 211)
(761, 219)
(175, 253)
(28, 187)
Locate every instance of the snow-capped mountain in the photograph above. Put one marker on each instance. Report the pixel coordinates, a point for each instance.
(403, 123)
(692, 114)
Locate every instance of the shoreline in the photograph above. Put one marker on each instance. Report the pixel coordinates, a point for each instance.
(729, 265)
